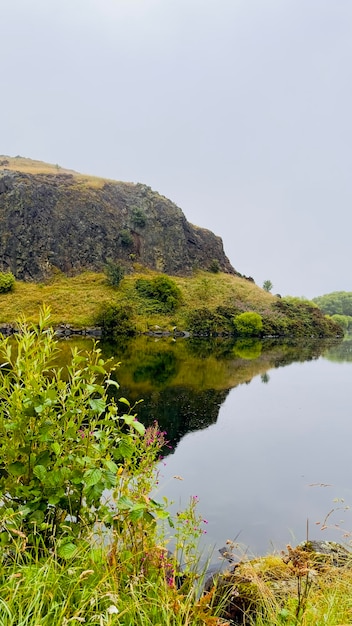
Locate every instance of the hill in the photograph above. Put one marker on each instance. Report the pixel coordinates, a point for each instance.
(60, 230)
(56, 219)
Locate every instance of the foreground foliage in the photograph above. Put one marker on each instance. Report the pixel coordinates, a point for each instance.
(78, 534)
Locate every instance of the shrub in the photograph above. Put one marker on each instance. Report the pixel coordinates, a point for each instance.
(126, 237)
(114, 273)
(203, 322)
(115, 320)
(139, 217)
(214, 266)
(248, 324)
(162, 289)
(7, 281)
(62, 442)
(342, 320)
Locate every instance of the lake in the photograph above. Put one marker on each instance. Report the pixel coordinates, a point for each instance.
(260, 432)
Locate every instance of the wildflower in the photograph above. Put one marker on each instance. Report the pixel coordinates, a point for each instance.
(112, 609)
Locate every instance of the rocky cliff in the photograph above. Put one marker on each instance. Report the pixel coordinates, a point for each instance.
(52, 218)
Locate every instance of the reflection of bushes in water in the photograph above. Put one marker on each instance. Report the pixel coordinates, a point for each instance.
(121, 346)
(291, 351)
(159, 368)
(341, 352)
(204, 348)
(248, 349)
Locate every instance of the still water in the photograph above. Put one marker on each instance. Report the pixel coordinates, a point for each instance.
(260, 471)
(262, 434)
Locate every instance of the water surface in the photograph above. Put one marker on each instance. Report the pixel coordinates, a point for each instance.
(261, 433)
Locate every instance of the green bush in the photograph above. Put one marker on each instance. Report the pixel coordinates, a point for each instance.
(115, 320)
(214, 266)
(139, 217)
(248, 324)
(342, 320)
(7, 281)
(114, 273)
(62, 441)
(203, 322)
(162, 289)
(126, 238)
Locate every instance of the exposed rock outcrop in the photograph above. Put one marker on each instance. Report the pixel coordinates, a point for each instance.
(72, 223)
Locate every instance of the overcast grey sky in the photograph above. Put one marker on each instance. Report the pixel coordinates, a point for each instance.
(240, 111)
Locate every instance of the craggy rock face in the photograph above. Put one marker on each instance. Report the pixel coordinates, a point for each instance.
(67, 222)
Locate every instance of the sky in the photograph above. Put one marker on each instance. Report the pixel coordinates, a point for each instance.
(240, 111)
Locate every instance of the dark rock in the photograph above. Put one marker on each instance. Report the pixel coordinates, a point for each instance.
(51, 222)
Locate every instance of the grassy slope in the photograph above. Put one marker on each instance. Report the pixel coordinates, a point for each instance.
(77, 300)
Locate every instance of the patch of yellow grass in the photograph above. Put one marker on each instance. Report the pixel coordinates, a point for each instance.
(31, 166)
(71, 300)
(214, 290)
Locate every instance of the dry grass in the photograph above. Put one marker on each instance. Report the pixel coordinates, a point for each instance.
(30, 166)
(72, 300)
(213, 290)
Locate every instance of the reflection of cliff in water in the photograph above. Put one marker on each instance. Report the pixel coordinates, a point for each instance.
(179, 410)
(184, 383)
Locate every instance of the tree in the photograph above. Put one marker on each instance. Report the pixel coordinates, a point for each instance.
(267, 285)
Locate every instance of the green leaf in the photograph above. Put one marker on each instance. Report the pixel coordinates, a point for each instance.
(124, 503)
(110, 479)
(109, 381)
(124, 401)
(37, 517)
(126, 449)
(139, 514)
(43, 458)
(40, 472)
(162, 514)
(54, 500)
(94, 493)
(111, 466)
(128, 419)
(92, 477)
(97, 404)
(67, 551)
(138, 427)
(56, 448)
(17, 468)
